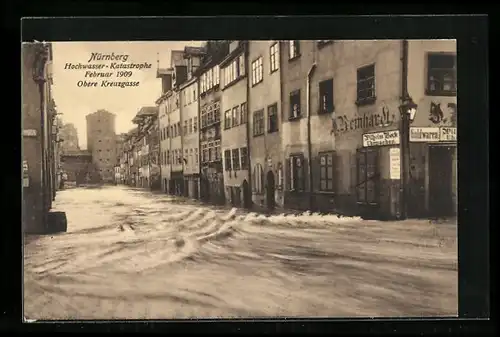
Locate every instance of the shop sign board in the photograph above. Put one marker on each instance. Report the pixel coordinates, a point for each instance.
(395, 163)
(381, 138)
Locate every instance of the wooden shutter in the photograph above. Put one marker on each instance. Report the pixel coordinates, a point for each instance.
(361, 175)
(286, 175)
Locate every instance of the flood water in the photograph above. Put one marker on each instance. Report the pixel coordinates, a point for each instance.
(132, 254)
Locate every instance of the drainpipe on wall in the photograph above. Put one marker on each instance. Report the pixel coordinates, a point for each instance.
(404, 134)
(309, 142)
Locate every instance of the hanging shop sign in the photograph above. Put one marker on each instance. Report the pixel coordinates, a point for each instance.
(381, 138)
(384, 118)
(424, 134)
(433, 134)
(448, 134)
(395, 163)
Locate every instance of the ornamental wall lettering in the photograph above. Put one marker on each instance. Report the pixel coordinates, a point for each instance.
(343, 124)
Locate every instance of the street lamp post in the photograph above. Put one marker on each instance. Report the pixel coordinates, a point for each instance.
(408, 110)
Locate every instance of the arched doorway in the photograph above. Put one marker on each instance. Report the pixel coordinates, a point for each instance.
(247, 197)
(270, 188)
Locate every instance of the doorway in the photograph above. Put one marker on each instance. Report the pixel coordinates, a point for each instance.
(441, 181)
(247, 197)
(270, 189)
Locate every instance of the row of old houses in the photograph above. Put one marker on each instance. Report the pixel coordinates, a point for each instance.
(40, 142)
(354, 127)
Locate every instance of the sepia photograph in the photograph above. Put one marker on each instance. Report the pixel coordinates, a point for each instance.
(239, 179)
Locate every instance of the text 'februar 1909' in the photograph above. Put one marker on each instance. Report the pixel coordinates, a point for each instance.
(111, 70)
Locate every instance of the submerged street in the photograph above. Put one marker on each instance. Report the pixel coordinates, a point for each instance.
(132, 254)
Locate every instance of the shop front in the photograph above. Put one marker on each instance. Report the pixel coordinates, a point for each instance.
(367, 162)
(433, 171)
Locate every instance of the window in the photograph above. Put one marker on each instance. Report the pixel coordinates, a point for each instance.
(296, 177)
(293, 49)
(209, 79)
(179, 130)
(242, 65)
(234, 70)
(295, 104)
(272, 118)
(186, 155)
(326, 172)
(236, 159)
(326, 97)
(202, 83)
(217, 150)
(185, 128)
(258, 123)
(243, 158)
(195, 124)
(184, 98)
(441, 74)
(367, 176)
(216, 75)
(258, 181)
(227, 160)
(366, 84)
(236, 116)
(204, 153)
(190, 125)
(243, 113)
(196, 156)
(257, 71)
(274, 57)
(227, 119)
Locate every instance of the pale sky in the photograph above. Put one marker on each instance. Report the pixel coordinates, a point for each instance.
(76, 102)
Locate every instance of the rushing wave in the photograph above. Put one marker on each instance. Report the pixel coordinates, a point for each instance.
(131, 254)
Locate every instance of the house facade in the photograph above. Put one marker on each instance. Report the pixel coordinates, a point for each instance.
(211, 173)
(234, 132)
(189, 111)
(264, 123)
(342, 125)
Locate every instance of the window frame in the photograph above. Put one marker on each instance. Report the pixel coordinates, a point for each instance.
(235, 159)
(330, 106)
(274, 59)
(326, 177)
(272, 107)
(293, 49)
(228, 160)
(243, 158)
(452, 71)
(361, 99)
(258, 123)
(228, 119)
(294, 169)
(257, 71)
(297, 94)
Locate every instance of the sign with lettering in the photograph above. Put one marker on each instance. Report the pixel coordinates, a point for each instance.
(381, 138)
(395, 163)
(342, 124)
(447, 134)
(29, 133)
(427, 134)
